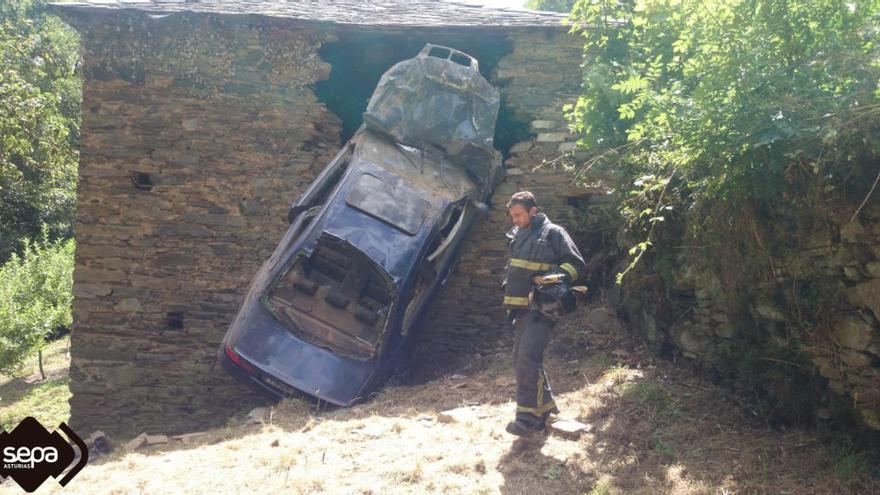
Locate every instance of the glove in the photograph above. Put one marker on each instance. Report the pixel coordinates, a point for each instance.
(552, 277)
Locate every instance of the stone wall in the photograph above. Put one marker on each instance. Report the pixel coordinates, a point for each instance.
(785, 308)
(541, 74)
(198, 131)
(190, 157)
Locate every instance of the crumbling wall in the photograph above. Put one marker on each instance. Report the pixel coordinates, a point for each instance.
(198, 132)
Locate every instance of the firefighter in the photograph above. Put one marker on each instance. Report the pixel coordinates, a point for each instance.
(536, 248)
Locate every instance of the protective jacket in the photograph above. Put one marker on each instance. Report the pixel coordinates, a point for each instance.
(538, 248)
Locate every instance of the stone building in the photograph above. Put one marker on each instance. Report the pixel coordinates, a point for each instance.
(203, 121)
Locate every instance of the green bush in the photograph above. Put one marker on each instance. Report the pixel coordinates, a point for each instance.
(693, 105)
(36, 293)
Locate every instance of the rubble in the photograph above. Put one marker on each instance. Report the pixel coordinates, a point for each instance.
(569, 428)
(136, 442)
(258, 415)
(460, 415)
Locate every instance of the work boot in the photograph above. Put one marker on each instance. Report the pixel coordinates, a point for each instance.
(523, 428)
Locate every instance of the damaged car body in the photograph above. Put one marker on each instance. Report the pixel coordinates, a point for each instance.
(337, 307)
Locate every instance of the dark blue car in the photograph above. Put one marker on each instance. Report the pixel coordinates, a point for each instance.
(337, 307)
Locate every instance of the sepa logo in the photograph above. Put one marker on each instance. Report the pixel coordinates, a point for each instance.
(30, 454)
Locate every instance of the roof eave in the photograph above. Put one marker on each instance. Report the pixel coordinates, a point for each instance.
(74, 11)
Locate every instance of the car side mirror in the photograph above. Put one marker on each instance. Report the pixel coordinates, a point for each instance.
(482, 208)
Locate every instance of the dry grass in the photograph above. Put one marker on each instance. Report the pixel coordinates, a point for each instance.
(656, 430)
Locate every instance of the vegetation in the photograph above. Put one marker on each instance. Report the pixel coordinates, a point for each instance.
(35, 299)
(550, 5)
(39, 124)
(39, 135)
(693, 105)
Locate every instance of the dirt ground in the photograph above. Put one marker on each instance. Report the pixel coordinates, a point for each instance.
(655, 428)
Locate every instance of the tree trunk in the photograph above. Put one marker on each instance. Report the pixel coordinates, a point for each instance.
(40, 361)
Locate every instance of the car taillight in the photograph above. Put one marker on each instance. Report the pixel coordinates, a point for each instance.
(238, 360)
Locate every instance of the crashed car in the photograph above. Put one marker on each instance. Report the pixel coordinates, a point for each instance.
(337, 307)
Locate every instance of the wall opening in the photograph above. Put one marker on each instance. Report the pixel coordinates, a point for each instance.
(359, 58)
(174, 320)
(142, 181)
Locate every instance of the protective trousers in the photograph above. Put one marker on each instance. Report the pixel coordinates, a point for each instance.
(532, 332)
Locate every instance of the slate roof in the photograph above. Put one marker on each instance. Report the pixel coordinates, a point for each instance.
(391, 13)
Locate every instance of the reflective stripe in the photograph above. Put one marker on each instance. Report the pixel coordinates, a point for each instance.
(541, 409)
(531, 265)
(537, 411)
(516, 301)
(570, 269)
(540, 386)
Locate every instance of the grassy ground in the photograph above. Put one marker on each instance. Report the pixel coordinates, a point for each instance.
(29, 395)
(656, 429)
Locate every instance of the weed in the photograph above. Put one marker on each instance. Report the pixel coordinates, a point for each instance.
(553, 472)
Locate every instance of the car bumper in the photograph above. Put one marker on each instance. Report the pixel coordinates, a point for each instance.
(284, 364)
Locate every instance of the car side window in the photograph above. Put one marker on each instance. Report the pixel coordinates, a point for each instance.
(442, 238)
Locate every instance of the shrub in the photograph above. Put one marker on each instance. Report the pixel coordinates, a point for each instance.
(697, 104)
(36, 293)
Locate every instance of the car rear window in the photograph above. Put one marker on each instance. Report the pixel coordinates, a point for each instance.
(400, 206)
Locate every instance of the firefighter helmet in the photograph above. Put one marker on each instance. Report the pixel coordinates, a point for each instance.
(554, 300)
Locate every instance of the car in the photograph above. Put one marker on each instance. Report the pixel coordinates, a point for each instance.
(338, 306)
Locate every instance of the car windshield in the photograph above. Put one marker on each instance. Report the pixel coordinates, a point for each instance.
(399, 206)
